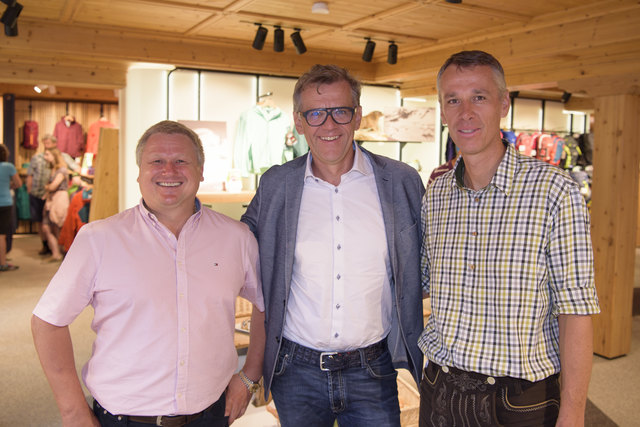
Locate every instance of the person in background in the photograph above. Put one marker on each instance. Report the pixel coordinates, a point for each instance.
(9, 180)
(339, 237)
(508, 263)
(56, 201)
(163, 278)
(38, 175)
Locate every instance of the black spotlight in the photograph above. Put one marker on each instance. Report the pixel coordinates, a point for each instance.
(296, 38)
(392, 55)
(10, 17)
(278, 39)
(368, 50)
(261, 36)
(566, 96)
(454, 1)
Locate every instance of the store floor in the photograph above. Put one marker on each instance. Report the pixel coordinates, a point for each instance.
(26, 400)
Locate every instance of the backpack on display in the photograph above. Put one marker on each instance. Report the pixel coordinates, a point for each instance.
(30, 135)
(572, 152)
(550, 149)
(526, 144)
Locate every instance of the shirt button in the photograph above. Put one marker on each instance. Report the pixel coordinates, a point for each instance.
(474, 234)
(339, 247)
(337, 306)
(477, 199)
(182, 363)
(336, 335)
(338, 277)
(336, 190)
(472, 267)
(337, 217)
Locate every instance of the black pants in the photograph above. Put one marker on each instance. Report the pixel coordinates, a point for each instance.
(453, 397)
(213, 416)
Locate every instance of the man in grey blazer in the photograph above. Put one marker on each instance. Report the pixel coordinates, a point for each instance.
(339, 240)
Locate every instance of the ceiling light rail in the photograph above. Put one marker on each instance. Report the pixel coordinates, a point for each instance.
(278, 37)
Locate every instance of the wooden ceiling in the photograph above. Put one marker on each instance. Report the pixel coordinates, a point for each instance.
(91, 43)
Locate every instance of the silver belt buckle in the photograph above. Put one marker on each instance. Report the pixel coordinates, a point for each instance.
(322, 355)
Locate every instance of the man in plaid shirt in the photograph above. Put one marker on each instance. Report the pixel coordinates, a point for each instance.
(508, 263)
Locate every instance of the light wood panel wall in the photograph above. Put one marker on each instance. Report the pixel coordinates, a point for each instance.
(48, 113)
(104, 202)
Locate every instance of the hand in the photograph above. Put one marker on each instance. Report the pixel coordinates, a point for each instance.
(237, 399)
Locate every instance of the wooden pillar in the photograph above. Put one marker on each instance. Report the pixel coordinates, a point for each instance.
(104, 201)
(614, 213)
(614, 205)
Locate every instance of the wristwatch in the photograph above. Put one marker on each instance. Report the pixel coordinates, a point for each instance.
(252, 386)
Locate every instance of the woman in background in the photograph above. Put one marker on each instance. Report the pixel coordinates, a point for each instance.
(56, 201)
(9, 180)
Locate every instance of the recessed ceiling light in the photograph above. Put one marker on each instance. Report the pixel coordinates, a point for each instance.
(320, 7)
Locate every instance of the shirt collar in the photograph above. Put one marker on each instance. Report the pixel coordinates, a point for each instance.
(504, 176)
(146, 213)
(360, 163)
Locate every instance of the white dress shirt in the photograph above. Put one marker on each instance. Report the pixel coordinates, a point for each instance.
(340, 295)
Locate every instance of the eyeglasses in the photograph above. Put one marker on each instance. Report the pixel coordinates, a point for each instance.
(340, 115)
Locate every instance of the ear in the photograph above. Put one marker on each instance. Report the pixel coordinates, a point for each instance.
(506, 104)
(297, 120)
(442, 118)
(358, 117)
(202, 173)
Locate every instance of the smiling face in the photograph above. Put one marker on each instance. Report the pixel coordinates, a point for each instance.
(330, 143)
(170, 174)
(472, 106)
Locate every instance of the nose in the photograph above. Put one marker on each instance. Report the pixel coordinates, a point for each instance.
(168, 167)
(467, 110)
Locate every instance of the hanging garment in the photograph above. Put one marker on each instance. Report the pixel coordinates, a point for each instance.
(76, 218)
(260, 139)
(93, 136)
(70, 136)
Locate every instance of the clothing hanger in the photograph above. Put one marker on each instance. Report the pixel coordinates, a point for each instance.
(266, 100)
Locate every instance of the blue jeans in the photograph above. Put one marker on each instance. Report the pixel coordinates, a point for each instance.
(363, 396)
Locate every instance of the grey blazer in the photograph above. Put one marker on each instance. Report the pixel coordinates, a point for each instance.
(272, 215)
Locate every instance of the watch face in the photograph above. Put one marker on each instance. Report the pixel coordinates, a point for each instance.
(253, 388)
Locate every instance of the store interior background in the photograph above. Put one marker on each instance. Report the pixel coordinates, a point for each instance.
(118, 59)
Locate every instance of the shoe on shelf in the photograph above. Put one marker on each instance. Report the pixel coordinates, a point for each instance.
(8, 267)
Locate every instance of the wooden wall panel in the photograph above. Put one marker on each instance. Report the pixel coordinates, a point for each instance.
(104, 202)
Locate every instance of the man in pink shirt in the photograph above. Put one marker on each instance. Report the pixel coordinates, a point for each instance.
(162, 278)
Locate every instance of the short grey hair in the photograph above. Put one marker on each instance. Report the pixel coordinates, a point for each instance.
(170, 127)
(50, 137)
(473, 58)
(325, 74)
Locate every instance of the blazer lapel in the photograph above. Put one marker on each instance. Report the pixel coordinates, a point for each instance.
(294, 183)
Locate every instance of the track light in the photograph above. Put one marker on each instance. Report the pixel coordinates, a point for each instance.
(10, 17)
(261, 36)
(367, 55)
(296, 38)
(392, 54)
(454, 1)
(566, 96)
(278, 39)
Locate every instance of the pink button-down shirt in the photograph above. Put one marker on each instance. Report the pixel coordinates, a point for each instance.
(163, 307)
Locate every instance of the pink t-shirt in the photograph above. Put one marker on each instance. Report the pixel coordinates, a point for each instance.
(163, 307)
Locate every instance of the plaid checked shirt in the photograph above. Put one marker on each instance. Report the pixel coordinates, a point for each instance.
(500, 264)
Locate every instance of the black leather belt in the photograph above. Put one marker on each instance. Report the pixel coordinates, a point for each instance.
(333, 360)
(161, 420)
